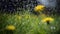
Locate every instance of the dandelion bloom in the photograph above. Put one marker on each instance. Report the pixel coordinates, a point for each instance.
(39, 8)
(48, 19)
(10, 27)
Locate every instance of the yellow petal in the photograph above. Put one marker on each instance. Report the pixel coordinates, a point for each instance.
(48, 19)
(39, 8)
(10, 27)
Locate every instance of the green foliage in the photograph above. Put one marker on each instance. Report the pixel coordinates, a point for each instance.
(27, 23)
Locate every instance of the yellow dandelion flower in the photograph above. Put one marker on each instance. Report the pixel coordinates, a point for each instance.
(10, 27)
(39, 8)
(48, 19)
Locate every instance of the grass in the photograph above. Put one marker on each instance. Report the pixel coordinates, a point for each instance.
(28, 23)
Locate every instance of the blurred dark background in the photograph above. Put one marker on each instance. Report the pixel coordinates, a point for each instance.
(16, 5)
(11, 6)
